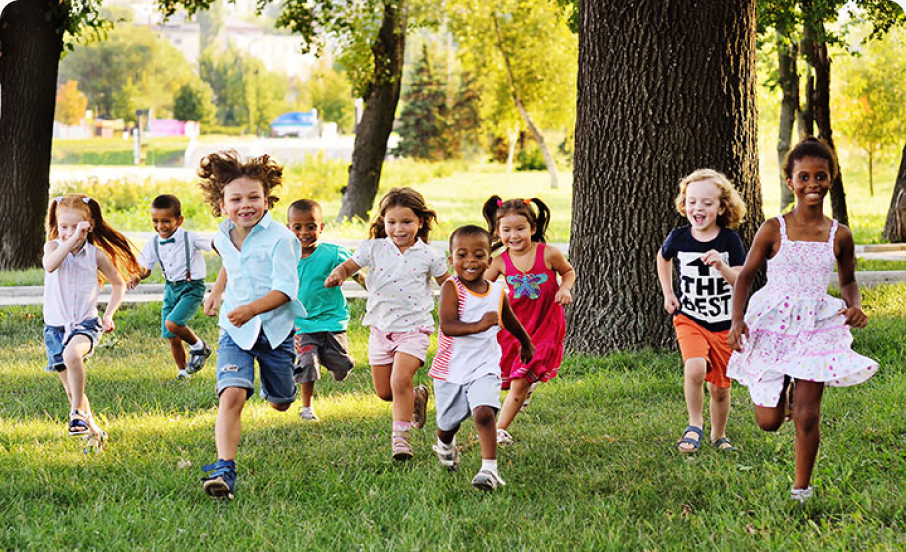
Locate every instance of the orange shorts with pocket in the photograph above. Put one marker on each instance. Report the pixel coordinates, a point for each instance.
(697, 342)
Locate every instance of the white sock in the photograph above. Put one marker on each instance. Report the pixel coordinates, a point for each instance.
(489, 464)
(445, 446)
(307, 409)
(197, 346)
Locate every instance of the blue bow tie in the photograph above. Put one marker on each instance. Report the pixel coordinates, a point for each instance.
(168, 240)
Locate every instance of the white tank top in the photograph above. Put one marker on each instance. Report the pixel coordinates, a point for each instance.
(71, 291)
(465, 358)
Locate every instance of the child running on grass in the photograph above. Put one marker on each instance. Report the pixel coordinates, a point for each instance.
(795, 338)
(81, 245)
(466, 369)
(321, 336)
(400, 301)
(709, 255)
(179, 253)
(258, 284)
(531, 270)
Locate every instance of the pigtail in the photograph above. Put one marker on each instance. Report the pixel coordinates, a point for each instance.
(489, 211)
(115, 245)
(51, 222)
(541, 221)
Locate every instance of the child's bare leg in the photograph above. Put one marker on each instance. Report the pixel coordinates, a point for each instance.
(720, 410)
(179, 352)
(228, 429)
(770, 418)
(694, 372)
(306, 392)
(446, 435)
(487, 431)
(380, 376)
(183, 332)
(401, 377)
(514, 400)
(73, 358)
(807, 417)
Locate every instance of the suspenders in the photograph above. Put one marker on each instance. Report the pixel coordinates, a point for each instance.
(185, 241)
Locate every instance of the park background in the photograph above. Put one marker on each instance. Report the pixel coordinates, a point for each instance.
(594, 467)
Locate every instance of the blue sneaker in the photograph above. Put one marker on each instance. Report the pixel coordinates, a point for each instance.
(198, 358)
(222, 480)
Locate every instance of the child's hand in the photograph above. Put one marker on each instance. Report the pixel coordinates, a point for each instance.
(735, 337)
(240, 315)
(211, 304)
(79, 235)
(489, 320)
(853, 316)
(671, 303)
(133, 283)
(563, 297)
(526, 353)
(712, 259)
(107, 324)
(334, 279)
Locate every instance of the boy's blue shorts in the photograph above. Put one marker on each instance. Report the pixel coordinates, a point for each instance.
(56, 340)
(181, 300)
(236, 368)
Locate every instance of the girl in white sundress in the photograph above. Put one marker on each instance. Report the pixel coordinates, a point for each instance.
(795, 338)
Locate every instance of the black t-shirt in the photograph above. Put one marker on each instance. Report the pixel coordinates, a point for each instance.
(704, 294)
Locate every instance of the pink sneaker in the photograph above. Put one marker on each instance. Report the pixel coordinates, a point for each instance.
(400, 446)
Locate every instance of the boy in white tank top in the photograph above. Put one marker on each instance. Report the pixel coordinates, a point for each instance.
(466, 368)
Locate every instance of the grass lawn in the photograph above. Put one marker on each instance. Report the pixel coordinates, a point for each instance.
(594, 467)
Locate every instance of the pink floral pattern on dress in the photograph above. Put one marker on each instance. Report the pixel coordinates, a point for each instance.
(794, 328)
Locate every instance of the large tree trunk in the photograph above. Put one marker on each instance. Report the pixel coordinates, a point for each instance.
(789, 108)
(822, 64)
(520, 105)
(381, 99)
(807, 112)
(31, 48)
(664, 87)
(895, 227)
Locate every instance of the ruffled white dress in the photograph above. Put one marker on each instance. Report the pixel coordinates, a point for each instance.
(794, 328)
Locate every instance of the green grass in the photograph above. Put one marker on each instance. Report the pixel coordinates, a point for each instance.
(594, 467)
(161, 152)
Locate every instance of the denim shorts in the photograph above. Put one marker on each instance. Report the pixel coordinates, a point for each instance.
(236, 368)
(56, 340)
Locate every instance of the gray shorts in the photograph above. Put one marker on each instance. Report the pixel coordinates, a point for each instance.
(327, 349)
(454, 402)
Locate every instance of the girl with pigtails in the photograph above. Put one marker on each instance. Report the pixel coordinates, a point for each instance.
(530, 268)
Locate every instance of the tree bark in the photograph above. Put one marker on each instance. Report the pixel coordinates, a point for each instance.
(821, 102)
(789, 108)
(895, 227)
(664, 87)
(31, 48)
(807, 113)
(520, 105)
(381, 100)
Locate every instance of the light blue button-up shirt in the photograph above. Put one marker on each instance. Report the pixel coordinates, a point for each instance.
(267, 262)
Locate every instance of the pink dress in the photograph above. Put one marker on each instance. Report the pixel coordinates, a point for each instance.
(794, 328)
(532, 298)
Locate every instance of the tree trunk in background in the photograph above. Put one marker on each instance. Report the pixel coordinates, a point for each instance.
(664, 87)
(789, 109)
(381, 100)
(31, 50)
(895, 227)
(821, 103)
(807, 112)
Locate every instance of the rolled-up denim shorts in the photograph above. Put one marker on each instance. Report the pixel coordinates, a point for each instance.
(56, 339)
(236, 368)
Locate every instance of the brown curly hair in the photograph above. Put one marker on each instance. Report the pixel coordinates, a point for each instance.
(734, 208)
(222, 167)
(404, 197)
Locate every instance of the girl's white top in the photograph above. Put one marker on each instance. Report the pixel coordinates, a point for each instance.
(400, 298)
(71, 291)
(462, 359)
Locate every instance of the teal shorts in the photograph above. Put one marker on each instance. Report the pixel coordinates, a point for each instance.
(181, 300)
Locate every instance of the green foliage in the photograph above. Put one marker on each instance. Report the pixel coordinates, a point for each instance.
(131, 69)
(211, 23)
(71, 104)
(329, 91)
(466, 129)
(530, 159)
(423, 124)
(163, 151)
(194, 102)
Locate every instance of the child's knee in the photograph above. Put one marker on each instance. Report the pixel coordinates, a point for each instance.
(769, 423)
(172, 326)
(280, 407)
(719, 394)
(483, 416)
(695, 369)
(806, 417)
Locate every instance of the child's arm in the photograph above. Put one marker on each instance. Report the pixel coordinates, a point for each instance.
(515, 327)
(442, 278)
(212, 301)
(54, 254)
(494, 271)
(338, 275)
(554, 258)
(448, 314)
(243, 313)
(665, 277)
(763, 246)
(730, 273)
(846, 271)
(118, 290)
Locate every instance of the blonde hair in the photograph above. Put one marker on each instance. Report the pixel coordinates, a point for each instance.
(734, 208)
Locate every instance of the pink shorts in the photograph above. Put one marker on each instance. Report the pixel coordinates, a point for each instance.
(382, 346)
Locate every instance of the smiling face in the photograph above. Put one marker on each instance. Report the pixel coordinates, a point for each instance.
(515, 232)
(165, 222)
(811, 180)
(244, 202)
(703, 205)
(307, 226)
(470, 255)
(68, 221)
(401, 225)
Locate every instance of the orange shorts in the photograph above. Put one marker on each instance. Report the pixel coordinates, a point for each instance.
(697, 342)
